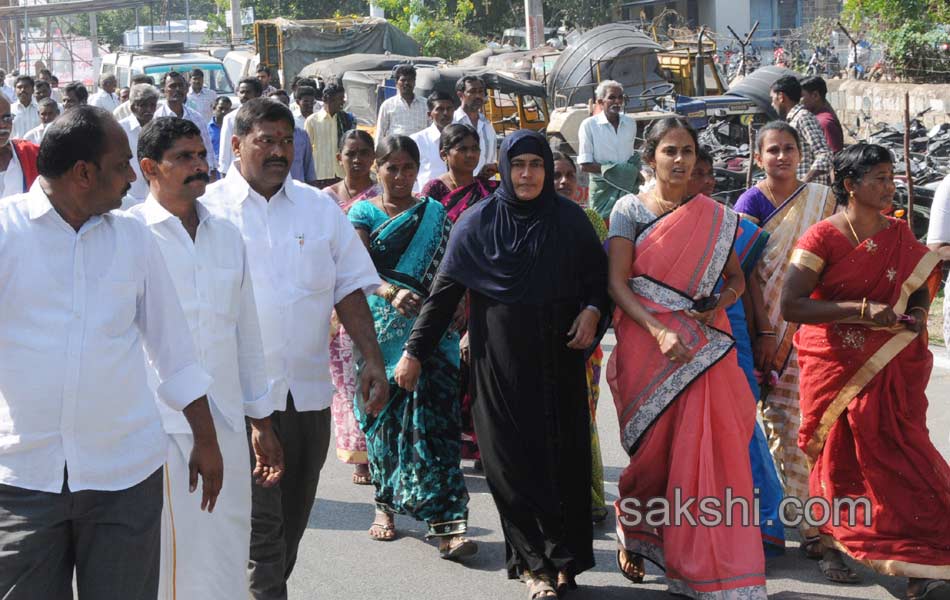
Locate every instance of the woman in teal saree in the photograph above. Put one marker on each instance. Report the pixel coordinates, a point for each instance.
(414, 441)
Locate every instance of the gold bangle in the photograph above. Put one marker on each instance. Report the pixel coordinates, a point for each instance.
(391, 292)
(734, 293)
(864, 305)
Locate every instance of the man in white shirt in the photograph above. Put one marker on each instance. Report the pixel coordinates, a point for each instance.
(205, 556)
(124, 110)
(305, 260)
(248, 89)
(431, 165)
(174, 88)
(605, 149)
(5, 88)
(200, 98)
(938, 240)
(144, 103)
(404, 113)
(106, 97)
(76, 95)
(25, 110)
(471, 91)
(86, 297)
(49, 110)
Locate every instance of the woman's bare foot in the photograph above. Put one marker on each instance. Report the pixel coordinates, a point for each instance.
(361, 475)
(383, 529)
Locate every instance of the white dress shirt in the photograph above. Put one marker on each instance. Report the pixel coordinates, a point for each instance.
(486, 138)
(8, 92)
(938, 232)
(305, 258)
(11, 180)
(77, 309)
(213, 281)
(122, 111)
(431, 164)
(225, 152)
(36, 134)
(599, 142)
(396, 117)
(27, 117)
(202, 102)
(192, 115)
(104, 99)
(139, 189)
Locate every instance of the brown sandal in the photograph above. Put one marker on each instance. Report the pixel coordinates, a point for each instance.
(636, 562)
(458, 547)
(382, 531)
(539, 586)
(565, 583)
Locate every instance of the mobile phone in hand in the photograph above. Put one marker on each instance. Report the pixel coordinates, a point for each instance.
(705, 304)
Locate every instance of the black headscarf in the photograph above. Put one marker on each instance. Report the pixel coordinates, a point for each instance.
(518, 251)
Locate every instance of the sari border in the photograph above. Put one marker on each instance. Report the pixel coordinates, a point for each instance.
(632, 433)
(853, 387)
(896, 568)
(876, 362)
(807, 259)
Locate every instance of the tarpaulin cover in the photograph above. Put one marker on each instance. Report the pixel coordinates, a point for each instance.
(620, 52)
(429, 80)
(305, 42)
(334, 68)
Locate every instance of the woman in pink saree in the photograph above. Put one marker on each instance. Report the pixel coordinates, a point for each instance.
(685, 410)
(357, 154)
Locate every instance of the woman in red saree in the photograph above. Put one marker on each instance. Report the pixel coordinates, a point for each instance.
(685, 410)
(859, 286)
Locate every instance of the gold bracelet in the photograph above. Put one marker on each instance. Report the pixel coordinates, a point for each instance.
(864, 305)
(390, 293)
(734, 293)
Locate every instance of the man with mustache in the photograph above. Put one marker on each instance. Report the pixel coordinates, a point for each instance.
(302, 168)
(17, 157)
(86, 297)
(471, 91)
(206, 259)
(248, 89)
(144, 102)
(175, 89)
(605, 149)
(305, 260)
(25, 109)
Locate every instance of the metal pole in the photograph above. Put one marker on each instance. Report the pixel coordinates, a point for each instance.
(534, 23)
(94, 38)
(187, 23)
(236, 31)
(908, 163)
(151, 18)
(26, 43)
(138, 32)
(700, 79)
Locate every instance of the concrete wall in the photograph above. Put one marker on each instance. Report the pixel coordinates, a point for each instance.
(885, 101)
(811, 9)
(731, 12)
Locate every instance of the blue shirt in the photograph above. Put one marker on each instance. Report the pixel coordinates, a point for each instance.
(303, 168)
(214, 130)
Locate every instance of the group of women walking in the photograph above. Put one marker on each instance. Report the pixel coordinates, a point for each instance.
(494, 299)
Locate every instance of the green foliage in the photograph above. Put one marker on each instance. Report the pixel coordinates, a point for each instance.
(444, 39)
(910, 31)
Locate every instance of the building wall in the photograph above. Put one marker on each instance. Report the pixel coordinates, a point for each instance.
(734, 13)
(811, 9)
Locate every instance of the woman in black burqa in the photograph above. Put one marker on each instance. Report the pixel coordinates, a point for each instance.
(537, 277)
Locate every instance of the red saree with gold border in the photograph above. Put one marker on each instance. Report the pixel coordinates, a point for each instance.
(686, 426)
(864, 408)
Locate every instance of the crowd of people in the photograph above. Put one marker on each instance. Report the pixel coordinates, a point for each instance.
(201, 295)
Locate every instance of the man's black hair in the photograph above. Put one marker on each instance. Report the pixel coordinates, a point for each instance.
(159, 135)
(78, 135)
(257, 110)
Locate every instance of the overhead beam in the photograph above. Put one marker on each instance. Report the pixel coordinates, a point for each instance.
(11, 13)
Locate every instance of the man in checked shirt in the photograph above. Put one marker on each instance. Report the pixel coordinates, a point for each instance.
(786, 93)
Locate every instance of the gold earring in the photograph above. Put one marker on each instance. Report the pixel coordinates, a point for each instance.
(851, 195)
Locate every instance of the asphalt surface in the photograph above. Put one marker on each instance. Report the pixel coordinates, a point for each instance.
(339, 561)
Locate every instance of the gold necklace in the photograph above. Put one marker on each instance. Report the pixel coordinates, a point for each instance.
(772, 198)
(851, 227)
(664, 205)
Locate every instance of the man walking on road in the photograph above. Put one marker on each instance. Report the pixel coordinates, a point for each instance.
(404, 113)
(85, 290)
(204, 557)
(472, 91)
(305, 260)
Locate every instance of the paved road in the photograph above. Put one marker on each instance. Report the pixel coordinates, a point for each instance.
(338, 560)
